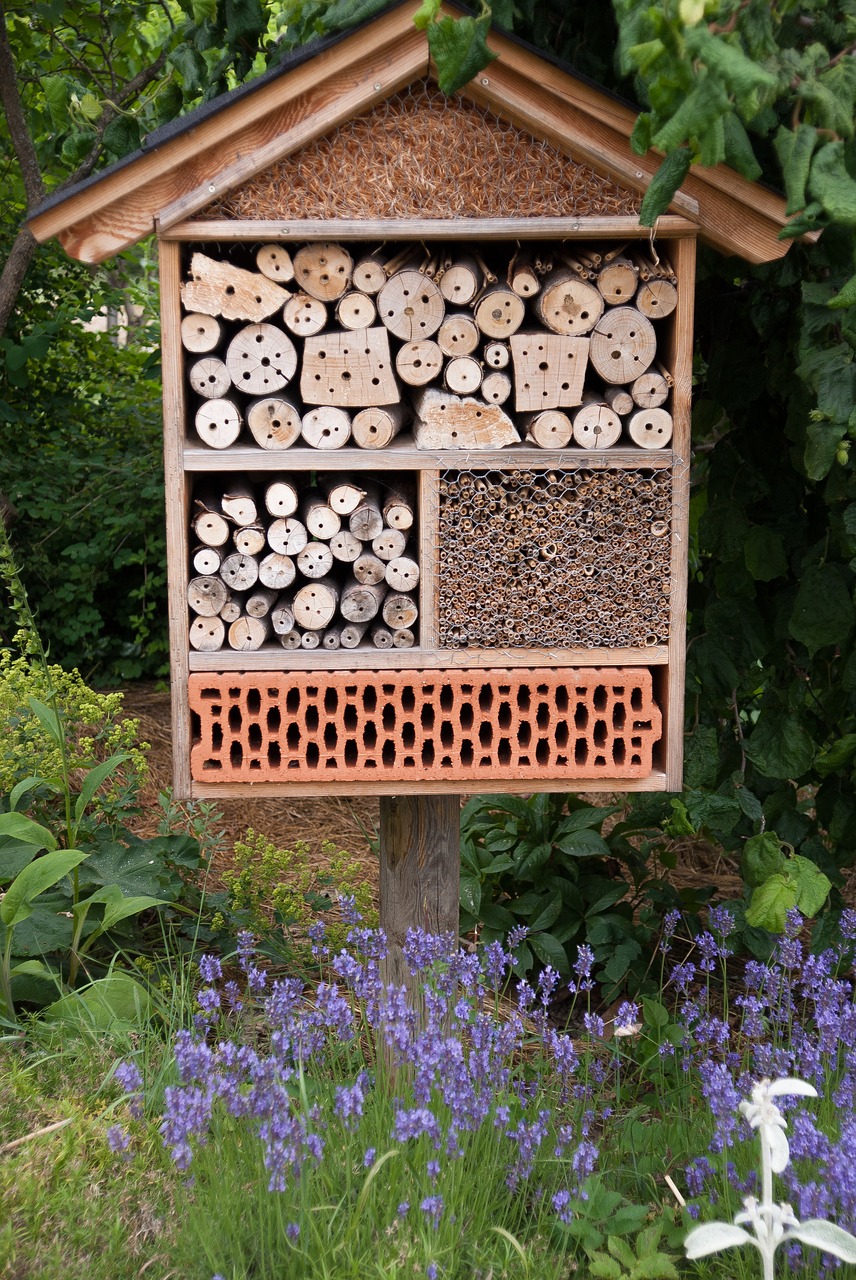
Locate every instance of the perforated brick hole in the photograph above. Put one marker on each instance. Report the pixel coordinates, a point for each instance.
(357, 726)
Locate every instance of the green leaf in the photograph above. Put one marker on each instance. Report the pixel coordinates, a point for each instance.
(837, 756)
(426, 13)
(813, 886)
(846, 296)
(780, 747)
(584, 844)
(19, 827)
(136, 867)
(122, 136)
(549, 913)
(795, 147)
(762, 858)
(471, 894)
(621, 1251)
(33, 880)
(533, 859)
(56, 95)
(821, 446)
(764, 554)
(14, 856)
(696, 112)
(640, 138)
(604, 1267)
(742, 75)
(459, 49)
(549, 951)
(118, 998)
(94, 779)
(771, 902)
(831, 184)
(655, 1014)
(738, 149)
(26, 785)
(48, 929)
(90, 106)
(823, 612)
(663, 185)
(117, 906)
(48, 719)
(623, 956)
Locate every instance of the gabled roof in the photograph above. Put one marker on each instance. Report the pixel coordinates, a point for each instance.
(197, 159)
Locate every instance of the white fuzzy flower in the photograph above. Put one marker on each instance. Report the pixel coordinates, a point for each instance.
(763, 1114)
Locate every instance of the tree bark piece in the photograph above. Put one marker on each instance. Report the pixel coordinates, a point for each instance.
(239, 572)
(361, 602)
(326, 427)
(275, 263)
(248, 634)
(567, 304)
(620, 399)
(218, 423)
(463, 375)
(402, 574)
(550, 429)
(273, 423)
(210, 378)
(411, 306)
(261, 359)
(356, 311)
(549, 370)
(249, 540)
(623, 345)
(596, 426)
(650, 428)
(650, 390)
(342, 495)
(200, 332)
(287, 536)
(277, 571)
(400, 610)
(657, 299)
(206, 635)
(239, 504)
(304, 316)
(315, 604)
(206, 596)
(281, 499)
(350, 369)
(323, 270)
(375, 427)
(458, 335)
(445, 421)
(617, 281)
(499, 312)
(418, 363)
(496, 388)
(315, 560)
(219, 289)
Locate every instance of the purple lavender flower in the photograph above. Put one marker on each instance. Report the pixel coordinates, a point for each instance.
(368, 1158)
(317, 933)
(403, 1209)
(118, 1140)
(561, 1204)
(496, 963)
(433, 1169)
(432, 1207)
(721, 921)
(548, 980)
(127, 1075)
(793, 923)
(350, 1100)
(847, 924)
(293, 1230)
(431, 1271)
(210, 969)
(594, 1025)
(246, 948)
(517, 935)
(627, 1018)
(348, 904)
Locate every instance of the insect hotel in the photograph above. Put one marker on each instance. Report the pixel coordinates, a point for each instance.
(427, 419)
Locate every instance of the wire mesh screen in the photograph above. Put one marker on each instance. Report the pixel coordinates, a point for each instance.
(420, 154)
(554, 559)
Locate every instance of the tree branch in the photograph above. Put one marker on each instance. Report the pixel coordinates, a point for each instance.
(22, 142)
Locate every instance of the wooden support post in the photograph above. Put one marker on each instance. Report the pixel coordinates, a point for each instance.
(420, 857)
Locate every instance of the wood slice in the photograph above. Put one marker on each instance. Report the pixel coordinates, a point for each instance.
(315, 560)
(567, 304)
(361, 601)
(249, 634)
(445, 421)
(345, 547)
(287, 536)
(617, 281)
(277, 571)
(460, 282)
(650, 428)
(369, 569)
(210, 378)
(259, 603)
(398, 510)
(332, 638)
(400, 610)
(369, 275)
(219, 289)
(323, 270)
(366, 521)
(497, 355)
(350, 369)
(620, 399)
(411, 306)
(205, 560)
(282, 617)
(374, 428)
(249, 540)
(261, 359)
(403, 638)
(356, 311)
(402, 574)
(206, 595)
(200, 333)
(389, 544)
(240, 572)
(418, 363)
(273, 423)
(275, 263)
(496, 388)
(657, 299)
(596, 426)
(232, 609)
(463, 375)
(550, 429)
(549, 370)
(623, 345)
(206, 635)
(320, 519)
(310, 640)
(649, 391)
(304, 316)
(499, 313)
(352, 634)
(290, 639)
(315, 604)
(211, 528)
(218, 423)
(326, 427)
(342, 495)
(281, 498)
(381, 637)
(458, 335)
(239, 504)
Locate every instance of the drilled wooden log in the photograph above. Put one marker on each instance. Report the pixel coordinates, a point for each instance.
(462, 376)
(657, 299)
(281, 498)
(344, 547)
(200, 333)
(249, 634)
(497, 355)
(239, 504)
(568, 304)
(277, 571)
(315, 560)
(282, 616)
(499, 312)
(461, 281)
(411, 306)
(206, 595)
(205, 560)
(249, 540)
(343, 496)
(287, 535)
(315, 604)
(356, 311)
(304, 316)
(275, 263)
(349, 369)
(361, 602)
(522, 276)
(549, 370)
(332, 638)
(375, 427)
(369, 569)
(458, 335)
(240, 572)
(320, 518)
(366, 521)
(211, 528)
(261, 359)
(496, 388)
(403, 638)
(623, 345)
(596, 426)
(617, 281)
(400, 610)
(290, 639)
(381, 636)
(326, 427)
(352, 634)
(402, 574)
(550, 429)
(649, 391)
(210, 378)
(219, 289)
(218, 423)
(389, 544)
(323, 270)
(206, 635)
(445, 421)
(398, 509)
(273, 423)
(369, 275)
(619, 399)
(310, 640)
(233, 608)
(260, 601)
(650, 428)
(418, 363)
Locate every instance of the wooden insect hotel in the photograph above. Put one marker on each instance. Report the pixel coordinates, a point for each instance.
(427, 412)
